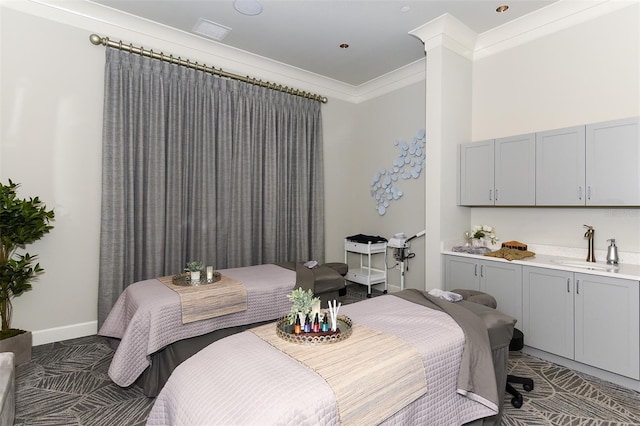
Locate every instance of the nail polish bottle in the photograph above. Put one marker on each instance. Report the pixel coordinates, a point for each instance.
(325, 323)
(316, 324)
(297, 327)
(307, 324)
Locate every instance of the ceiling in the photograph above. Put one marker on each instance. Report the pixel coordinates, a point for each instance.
(307, 34)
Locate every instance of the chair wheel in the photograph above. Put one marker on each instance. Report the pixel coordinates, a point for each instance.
(384, 292)
(516, 402)
(528, 387)
(369, 296)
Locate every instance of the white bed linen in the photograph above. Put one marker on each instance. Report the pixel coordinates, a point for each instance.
(147, 316)
(242, 380)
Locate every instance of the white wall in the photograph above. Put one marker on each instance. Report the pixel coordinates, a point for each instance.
(583, 74)
(340, 144)
(52, 81)
(377, 124)
(449, 124)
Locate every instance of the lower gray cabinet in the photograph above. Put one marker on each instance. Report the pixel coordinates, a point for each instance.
(502, 280)
(548, 310)
(588, 318)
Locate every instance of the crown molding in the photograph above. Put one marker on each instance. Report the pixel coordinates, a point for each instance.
(445, 30)
(548, 20)
(412, 73)
(117, 25)
(448, 31)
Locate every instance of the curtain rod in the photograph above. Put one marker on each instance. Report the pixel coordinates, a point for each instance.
(97, 40)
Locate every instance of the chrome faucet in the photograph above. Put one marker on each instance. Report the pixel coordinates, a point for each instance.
(589, 235)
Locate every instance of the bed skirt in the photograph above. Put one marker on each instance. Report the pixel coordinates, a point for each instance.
(167, 359)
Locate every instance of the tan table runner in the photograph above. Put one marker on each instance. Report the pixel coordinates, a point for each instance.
(209, 300)
(372, 374)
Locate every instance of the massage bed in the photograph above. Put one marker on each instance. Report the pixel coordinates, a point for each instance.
(151, 337)
(252, 377)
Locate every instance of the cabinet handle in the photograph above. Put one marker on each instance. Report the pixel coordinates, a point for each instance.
(482, 271)
(491, 195)
(475, 270)
(580, 192)
(568, 290)
(589, 192)
(577, 286)
(496, 194)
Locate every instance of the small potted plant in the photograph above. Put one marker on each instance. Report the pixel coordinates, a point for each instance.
(22, 222)
(194, 268)
(480, 233)
(303, 303)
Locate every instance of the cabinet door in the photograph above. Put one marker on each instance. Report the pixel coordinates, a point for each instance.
(606, 324)
(461, 272)
(476, 173)
(547, 309)
(613, 163)
(515, 174)
(503, 281)
(560, 167)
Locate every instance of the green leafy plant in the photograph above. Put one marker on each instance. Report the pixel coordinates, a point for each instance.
(302, 301)
(22, 221)
(484, 231)
(194, 266)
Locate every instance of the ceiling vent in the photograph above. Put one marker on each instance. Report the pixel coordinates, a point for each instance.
(211, 29)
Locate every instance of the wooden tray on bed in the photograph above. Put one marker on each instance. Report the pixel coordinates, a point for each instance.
(184, 279)
(284, 330)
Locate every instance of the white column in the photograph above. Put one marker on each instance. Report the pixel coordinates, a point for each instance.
(449, 47)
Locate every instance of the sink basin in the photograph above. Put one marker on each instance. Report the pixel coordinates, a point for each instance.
(584, 265)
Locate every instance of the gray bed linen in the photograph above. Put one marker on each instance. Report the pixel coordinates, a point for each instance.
(148, 316)
(441, 405)
(494, 329)
(165, 360)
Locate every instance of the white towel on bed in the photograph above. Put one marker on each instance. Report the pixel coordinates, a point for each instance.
(446, 295)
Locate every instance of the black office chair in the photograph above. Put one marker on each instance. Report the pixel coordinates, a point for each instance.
(517, 343)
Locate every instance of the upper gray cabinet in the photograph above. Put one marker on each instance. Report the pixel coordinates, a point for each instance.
(498, 172)
(613, 163)
(476, 173)
(515, 171)
(593, 165)
(560, 167)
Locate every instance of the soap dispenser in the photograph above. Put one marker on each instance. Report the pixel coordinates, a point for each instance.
(612, 253)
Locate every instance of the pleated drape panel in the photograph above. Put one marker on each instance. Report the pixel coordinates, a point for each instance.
(199, 167)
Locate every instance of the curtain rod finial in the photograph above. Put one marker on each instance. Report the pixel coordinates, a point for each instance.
(95, 39)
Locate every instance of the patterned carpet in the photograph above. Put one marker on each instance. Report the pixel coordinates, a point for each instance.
(67, 384)
(566, 397)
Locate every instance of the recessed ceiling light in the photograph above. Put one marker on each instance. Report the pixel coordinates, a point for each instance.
(248, 7)
(211, 29)
(405, 9)
(502, 8)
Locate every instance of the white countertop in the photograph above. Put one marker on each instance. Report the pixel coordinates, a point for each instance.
(623, 270)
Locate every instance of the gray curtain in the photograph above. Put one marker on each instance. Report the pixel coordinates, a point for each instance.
(198, 167)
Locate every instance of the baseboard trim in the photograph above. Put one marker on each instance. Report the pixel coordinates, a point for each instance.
(617, 379)
(57, 334)
(392, 288)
